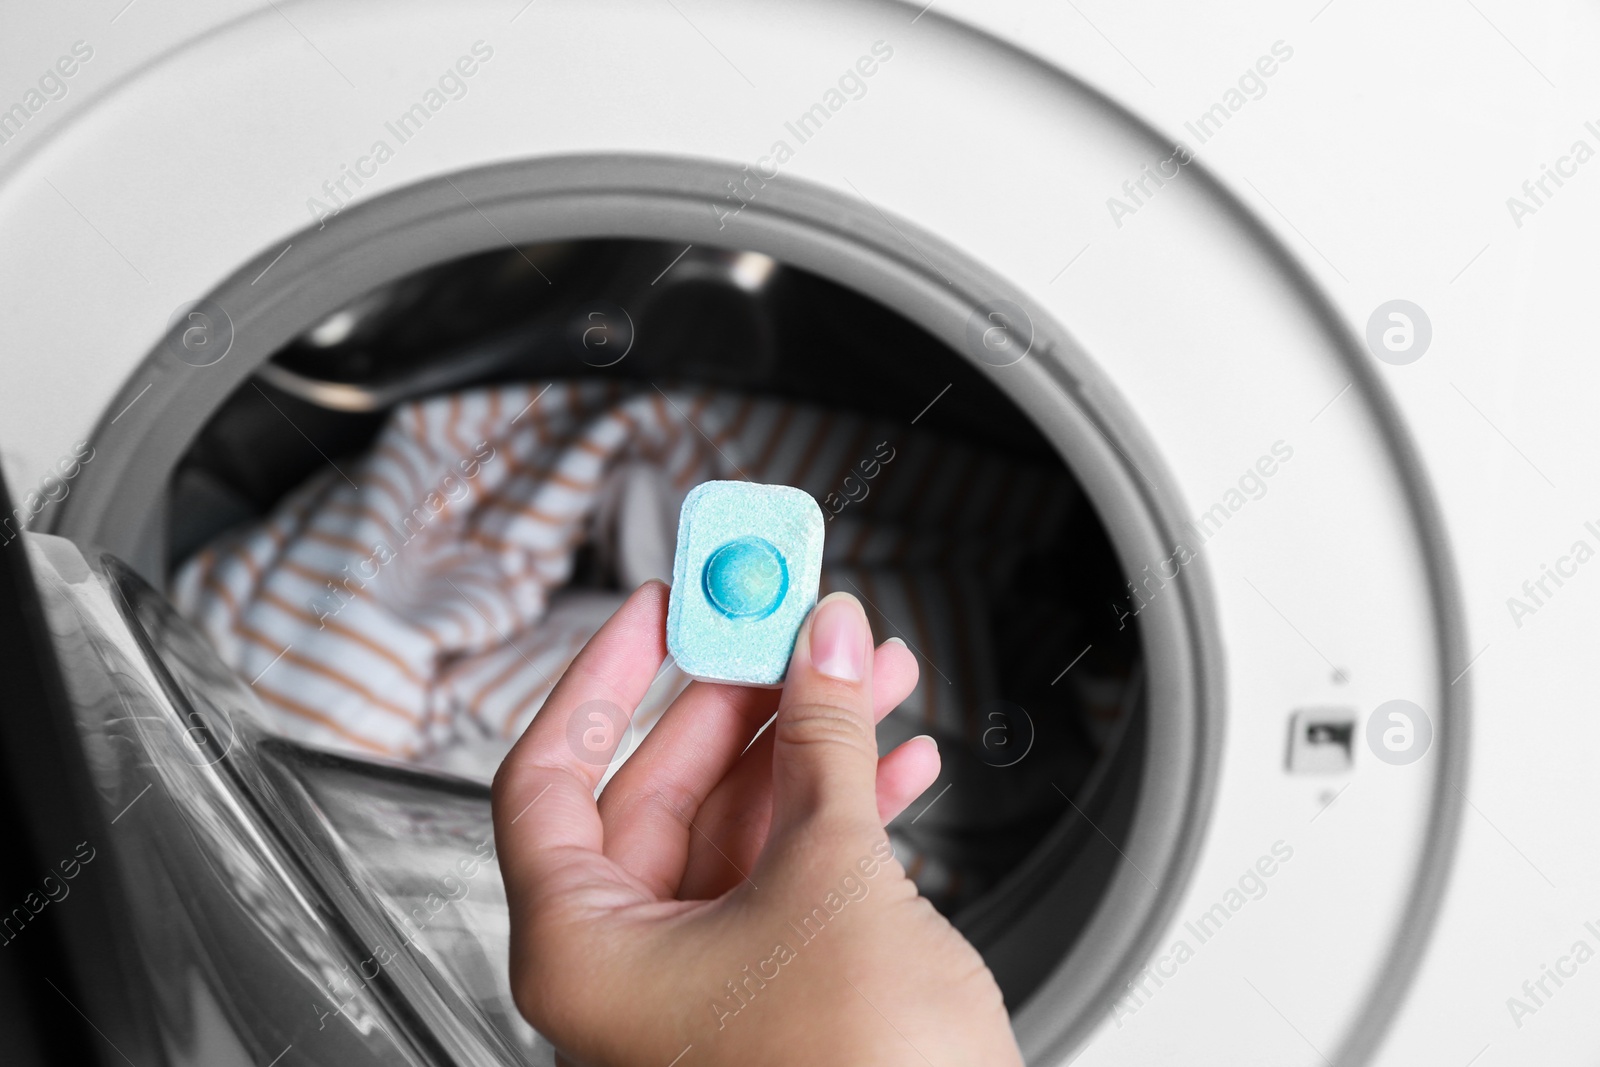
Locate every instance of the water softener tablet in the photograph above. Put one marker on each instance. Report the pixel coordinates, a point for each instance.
(745, 575)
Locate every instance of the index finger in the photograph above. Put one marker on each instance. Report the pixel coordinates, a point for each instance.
(544, 790)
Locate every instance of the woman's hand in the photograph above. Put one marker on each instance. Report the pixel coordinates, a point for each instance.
(727, 902)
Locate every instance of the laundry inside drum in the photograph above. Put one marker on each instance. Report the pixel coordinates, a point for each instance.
(403, 527)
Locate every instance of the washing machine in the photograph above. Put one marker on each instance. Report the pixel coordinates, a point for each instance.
(1294, 295)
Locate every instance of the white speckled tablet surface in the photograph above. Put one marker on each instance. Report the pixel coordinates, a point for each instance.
(745, 575)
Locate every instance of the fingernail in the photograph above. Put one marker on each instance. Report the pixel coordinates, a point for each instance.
(895, 641)
(839, 638)
(928, 738)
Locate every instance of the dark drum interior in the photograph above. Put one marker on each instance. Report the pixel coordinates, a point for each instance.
(1051, 772)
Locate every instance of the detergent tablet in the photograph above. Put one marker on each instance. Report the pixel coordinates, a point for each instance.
(745, 575)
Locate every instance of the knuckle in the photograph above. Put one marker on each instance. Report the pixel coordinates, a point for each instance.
(676, 800)
(500, 785)
(824, 725)
(511, 780)
(669, 799)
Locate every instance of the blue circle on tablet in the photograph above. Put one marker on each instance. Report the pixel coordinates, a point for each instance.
(746, 578)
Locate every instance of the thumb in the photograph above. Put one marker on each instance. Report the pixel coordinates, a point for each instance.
(825, 751)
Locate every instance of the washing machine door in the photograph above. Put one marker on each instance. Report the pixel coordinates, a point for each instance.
(233, 896)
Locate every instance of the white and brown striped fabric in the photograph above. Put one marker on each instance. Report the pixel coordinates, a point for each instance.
(406, 603)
